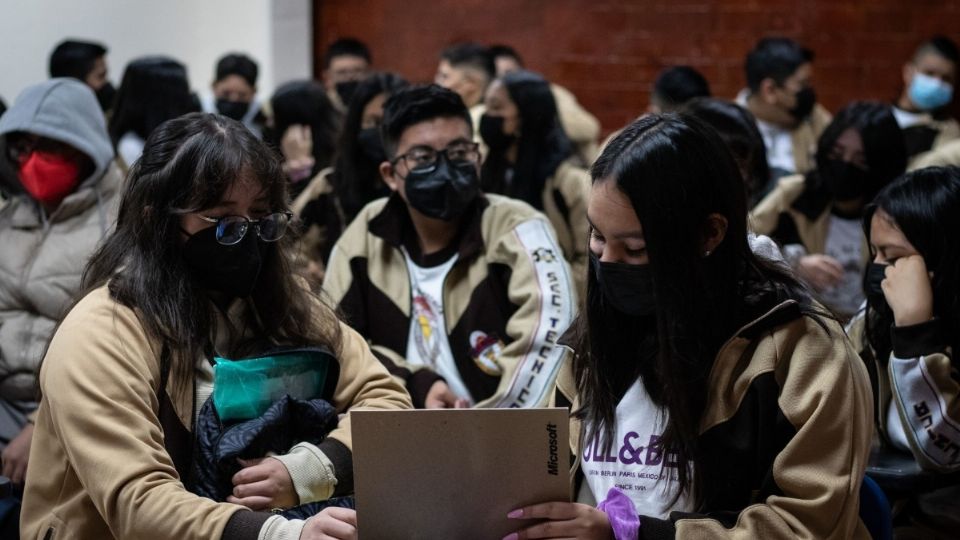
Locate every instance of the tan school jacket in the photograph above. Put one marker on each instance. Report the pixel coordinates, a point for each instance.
(786, 428)
(99, 465)
(805, 137)
(946, 155)
(506, 300)
(565, 197)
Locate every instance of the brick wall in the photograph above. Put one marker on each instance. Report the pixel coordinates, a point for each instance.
(608, 52)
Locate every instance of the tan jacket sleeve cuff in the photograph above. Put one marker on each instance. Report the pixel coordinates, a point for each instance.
(313, 474)
(281, 528)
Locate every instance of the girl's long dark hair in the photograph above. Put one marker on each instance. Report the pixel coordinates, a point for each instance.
(925, 206)
(188, 164)
(306, 103)
(676, 172)
(543, 144)
(154, 89)
(738, 128)
(356, 179)
(883, 148)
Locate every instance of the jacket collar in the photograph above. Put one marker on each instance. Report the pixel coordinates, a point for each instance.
(393, 225)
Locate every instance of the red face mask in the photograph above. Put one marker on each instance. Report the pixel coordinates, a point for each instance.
(48, 177)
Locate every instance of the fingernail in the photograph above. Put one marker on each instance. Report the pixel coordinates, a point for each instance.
(511, 536)
(515, 514)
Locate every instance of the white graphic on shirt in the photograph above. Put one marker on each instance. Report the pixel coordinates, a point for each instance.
(427, 342)
(635, 462)
(845, 244)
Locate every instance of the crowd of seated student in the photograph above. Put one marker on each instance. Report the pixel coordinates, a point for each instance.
(480, 254)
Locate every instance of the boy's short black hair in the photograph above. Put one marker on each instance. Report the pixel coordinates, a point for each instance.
(496, 51)
(237, 64)
(678, 85)
(472, 55)
(416, 104)
(346, 47)
(73, 58)
(939, 45)
(775, 58)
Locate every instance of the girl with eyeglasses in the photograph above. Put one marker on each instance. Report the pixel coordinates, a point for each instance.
(198, 267)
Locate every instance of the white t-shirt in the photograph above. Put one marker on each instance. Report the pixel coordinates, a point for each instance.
(427, 343)
(779, 143)
(845, 244)
(907, 119)
(633, 462)
(130, 147)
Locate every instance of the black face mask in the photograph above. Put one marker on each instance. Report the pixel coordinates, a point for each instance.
(105, 96)
(845, 180)
(233, 109)
(232, 270)
(806, 99)
(346, 90)
(491, 130)
(873, 288)
(628, 288)
(445, 192)
(372, 145)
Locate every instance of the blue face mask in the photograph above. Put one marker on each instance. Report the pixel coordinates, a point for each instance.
(929, 93)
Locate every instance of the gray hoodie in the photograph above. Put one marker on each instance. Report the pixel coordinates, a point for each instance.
(42, 256)
(61, 109)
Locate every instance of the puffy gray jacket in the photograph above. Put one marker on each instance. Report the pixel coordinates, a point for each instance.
(42, 255)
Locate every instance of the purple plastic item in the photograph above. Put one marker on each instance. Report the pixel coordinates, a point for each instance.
(622, 515)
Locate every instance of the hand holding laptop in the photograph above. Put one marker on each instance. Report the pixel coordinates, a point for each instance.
(331, 524)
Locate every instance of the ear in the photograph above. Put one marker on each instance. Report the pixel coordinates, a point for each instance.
(714, 231)
(768, 91)
(387, 173)
(908, 71)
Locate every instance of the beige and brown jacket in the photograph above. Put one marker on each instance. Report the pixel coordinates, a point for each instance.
(104, 462)
(565, 197)
(919, 379)
(812, 232)
(506, 300)
(785, 435)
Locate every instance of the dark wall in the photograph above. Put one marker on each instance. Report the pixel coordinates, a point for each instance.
(608, 52)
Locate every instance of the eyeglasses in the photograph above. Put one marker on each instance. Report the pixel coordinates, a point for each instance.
(424, 158)
(232, 229)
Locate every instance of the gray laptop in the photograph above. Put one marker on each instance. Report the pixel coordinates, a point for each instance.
(455, 473)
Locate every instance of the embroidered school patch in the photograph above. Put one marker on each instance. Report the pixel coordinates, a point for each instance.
(486, 351)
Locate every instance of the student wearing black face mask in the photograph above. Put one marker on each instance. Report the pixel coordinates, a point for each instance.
(335, 195)
(530, 158)
(710, 397)
(909, 333)
(461, 294)
(197, 271)
(234, 90)
(85, 61)
(346, 63)
(816, 217)
(780, 95)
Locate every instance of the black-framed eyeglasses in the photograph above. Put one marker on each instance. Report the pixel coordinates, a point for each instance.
(424, 158)
(232, 229)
